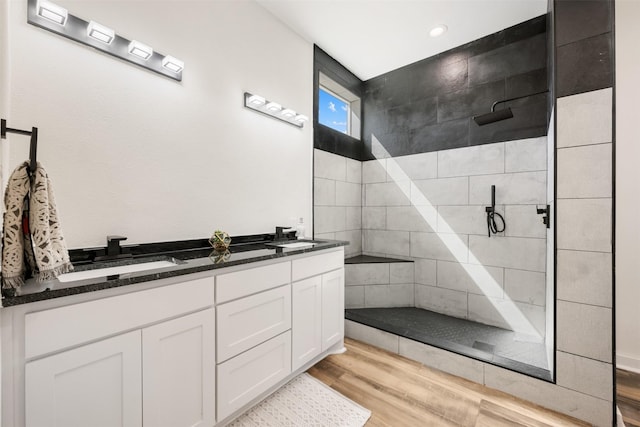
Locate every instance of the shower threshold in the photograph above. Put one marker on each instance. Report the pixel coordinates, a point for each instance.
(490, 344)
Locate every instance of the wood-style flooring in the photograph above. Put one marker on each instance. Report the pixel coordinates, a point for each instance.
(400, 392)
(628, 397)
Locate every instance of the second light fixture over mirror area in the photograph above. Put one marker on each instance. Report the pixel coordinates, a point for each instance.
(52, 17)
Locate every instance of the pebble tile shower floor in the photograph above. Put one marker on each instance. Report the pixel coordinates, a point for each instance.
(483, 342)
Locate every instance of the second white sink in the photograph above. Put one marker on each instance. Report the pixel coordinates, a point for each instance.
(295, 245)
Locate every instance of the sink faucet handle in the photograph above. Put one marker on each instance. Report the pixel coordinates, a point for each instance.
(115, 238)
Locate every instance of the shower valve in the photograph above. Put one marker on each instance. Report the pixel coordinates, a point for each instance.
(546, 219)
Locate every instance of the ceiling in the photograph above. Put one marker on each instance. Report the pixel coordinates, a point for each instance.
(372, 37)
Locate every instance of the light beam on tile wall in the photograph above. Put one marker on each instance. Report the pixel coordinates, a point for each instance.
(273, 109)
(54, 18)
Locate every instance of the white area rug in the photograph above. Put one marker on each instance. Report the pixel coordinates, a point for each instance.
(304, 402)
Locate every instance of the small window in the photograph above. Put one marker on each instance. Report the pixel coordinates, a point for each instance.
(338, 108)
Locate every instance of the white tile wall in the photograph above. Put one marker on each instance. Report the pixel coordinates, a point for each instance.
(584, 277)
(526, 155)
(585, 118)
(329, 166)
(387, 194)
(476, 279)
(337, 200)
(330, 219)
(508, 252)
(522, 188)
(476, 160)
(374, 217)
(525, 286)
(401, 272)
(425, 271)
(366, 274)
(524, 221)
(464, 219)
(374, 171)
(584, 330)
(585, 172)
(584, 224)
(348, 194)
(440, 246)
(324, 192)
(386, 242)
(443, 360)
(411, 218)
(442, 191)
(523, 318)
(416, 166)
(584, 375)
(371, 336)
(446, 301)
(354, 297)
(397, 295)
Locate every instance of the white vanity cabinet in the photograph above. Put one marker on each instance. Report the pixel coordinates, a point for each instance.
(178, 374)
(98, 384)
(161, 374)
(185, 351)
(318, 306)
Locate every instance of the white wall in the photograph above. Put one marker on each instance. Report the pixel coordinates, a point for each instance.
(134, 153)
(4, 84)
(627, 186)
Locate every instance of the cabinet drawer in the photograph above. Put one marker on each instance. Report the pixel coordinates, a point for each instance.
(238, 284)
(316, 264)
(59, 328)
(249, 321)
(246, 376)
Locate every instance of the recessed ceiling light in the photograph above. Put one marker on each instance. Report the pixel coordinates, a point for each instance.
(438, 30)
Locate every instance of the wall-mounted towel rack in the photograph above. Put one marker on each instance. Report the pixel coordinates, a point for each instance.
(33, 148)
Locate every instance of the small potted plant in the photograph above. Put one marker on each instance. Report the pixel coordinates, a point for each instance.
(220, 240)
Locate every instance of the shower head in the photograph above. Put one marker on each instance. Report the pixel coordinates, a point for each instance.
(506, 113)
(493, 116)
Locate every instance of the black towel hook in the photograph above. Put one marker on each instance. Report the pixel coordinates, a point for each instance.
(33, 148)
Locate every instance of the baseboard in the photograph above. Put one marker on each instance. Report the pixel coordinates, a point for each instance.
(628, 363)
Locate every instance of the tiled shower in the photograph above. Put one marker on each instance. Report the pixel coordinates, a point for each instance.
(424, 237)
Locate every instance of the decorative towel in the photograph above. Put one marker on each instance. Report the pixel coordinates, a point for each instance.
(37, 247)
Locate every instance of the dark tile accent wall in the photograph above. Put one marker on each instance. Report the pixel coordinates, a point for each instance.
(584, 46)
(429, 105)
(325, 138)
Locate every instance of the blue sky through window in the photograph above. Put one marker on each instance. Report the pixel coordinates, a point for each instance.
(332, 112)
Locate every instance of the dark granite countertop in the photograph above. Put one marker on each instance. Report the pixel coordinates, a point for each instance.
(188, 258)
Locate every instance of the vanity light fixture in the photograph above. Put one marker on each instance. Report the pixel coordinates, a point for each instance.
(173, 64)
(140, 50)
(438, 30)
(54, 18)
(301, 118)
(100, 32)
(288, 113)
(273, 109)
(257, 100)
(52, 12)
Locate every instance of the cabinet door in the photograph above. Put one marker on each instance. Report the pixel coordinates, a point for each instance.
(179, 372)
(332, 308)
(96, 385)
(306, 325)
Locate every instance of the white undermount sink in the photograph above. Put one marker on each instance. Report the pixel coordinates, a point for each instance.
(295, 245)
(110, 271)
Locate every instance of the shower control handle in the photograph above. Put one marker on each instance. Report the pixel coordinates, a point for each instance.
(546, 212)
